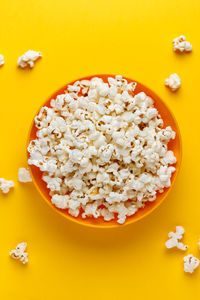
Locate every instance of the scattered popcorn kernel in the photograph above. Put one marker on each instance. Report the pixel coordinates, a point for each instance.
(28, 59)
(19, 253)
(1, 60)
(190, 263)
(174, 239)
(24, 175)
(103, 149)
(5, 185)
(181, 45)
(173, 82)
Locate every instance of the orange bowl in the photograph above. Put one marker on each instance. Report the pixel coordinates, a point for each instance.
(174, 145)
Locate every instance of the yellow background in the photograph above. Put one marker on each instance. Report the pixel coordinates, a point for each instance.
(78, 38)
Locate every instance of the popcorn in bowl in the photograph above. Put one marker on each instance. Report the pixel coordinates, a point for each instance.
(102, 149)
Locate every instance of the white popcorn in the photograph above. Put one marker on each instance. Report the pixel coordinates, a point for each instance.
(74, 212)
(6, 185)
(60, 201)
(73, 88)
(164, 174)
(106, 214)
(24, 175)
(19, 253)
(181, 45)
(91, 209)
(190, 263)
(1, 60)
(54, 184)
(28, 59)
(169, 158)
(173, 82)
(174, 239)
(103, 152)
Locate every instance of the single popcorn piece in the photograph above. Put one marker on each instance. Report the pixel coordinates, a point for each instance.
(19, 253)
(1, 60)
(24, 175)
(174, 239)
(181, 45)
(190, 263)
(28, 59)
(102, 149)
(6, 185)
(173, 82)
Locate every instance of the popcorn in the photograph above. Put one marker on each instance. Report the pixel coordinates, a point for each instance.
(60, 201)
(24, 175)
(164, 174)
(91, 209)
(181, 45)
(28, 59)
(169, 158)
(54, 184)
(1, 60)
(5, 185)
(103, 152)
(175, 238)
(106, 214)
(19, 253)
(190, 263)
(173, 82)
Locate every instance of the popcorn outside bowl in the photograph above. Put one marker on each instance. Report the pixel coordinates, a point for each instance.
(174, 145)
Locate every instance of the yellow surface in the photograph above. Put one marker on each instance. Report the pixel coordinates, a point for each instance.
(77, 38)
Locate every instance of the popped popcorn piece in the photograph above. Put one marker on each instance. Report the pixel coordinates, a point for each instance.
(106, 214)
(24, 175)
(19, 253)
(181, 45)
(5, 185)
(174, 239)
(102, 149)
(28, 59)
(190, 263)
(169, 158)
(1, 60)
(60, 201)
(173, 82)
(91, 209)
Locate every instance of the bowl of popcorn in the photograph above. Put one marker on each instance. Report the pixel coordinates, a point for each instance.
(104, 151)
